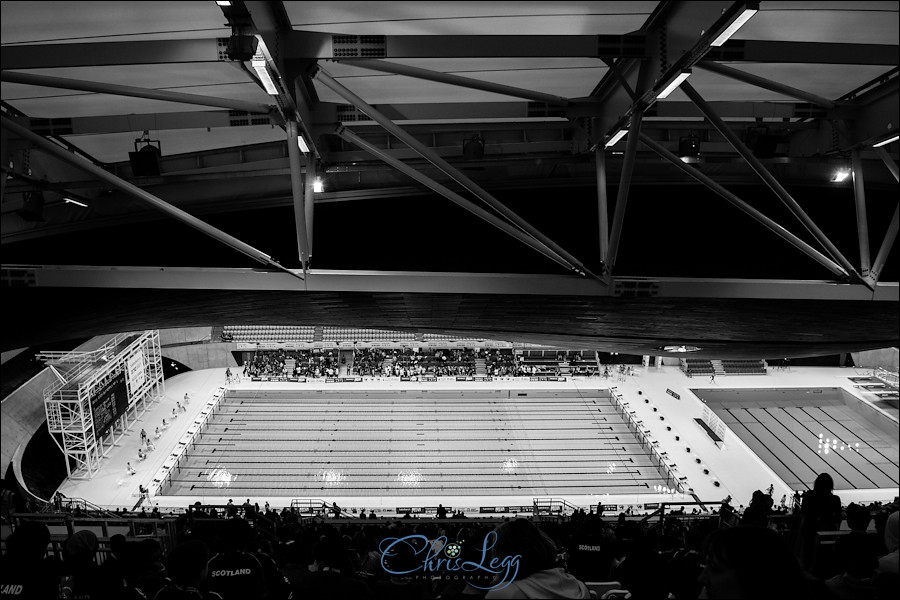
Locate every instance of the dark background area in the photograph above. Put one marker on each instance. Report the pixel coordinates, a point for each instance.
(669, 231)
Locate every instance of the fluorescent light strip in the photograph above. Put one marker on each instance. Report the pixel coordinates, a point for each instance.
(223, 2)
(735, 25)
(302, 143)
(886, 142)
(674, 85)
(612, 141)
(262, 70)
(71, 201)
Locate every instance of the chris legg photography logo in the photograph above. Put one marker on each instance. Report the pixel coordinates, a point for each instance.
(417, 556)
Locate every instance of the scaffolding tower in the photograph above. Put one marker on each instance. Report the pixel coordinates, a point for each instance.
(80, 376)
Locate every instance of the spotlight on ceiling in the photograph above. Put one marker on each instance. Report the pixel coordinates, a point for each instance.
(241, 47)
(840, 175)
(145, 158)
(318, 186)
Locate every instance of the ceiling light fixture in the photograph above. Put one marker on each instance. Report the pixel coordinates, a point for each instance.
(261, 66)
(840, 175)
(674, 84)
(73, 201)
(304, 148)
(318, 186)
(614, 139)
(750, 10)
(886, 141)
(223, 2)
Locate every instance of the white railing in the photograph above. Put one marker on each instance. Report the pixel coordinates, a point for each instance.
(889, 377)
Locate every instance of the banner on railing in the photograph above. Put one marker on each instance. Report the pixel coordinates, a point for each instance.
(673, 394)
(505, 509)
(548, 378)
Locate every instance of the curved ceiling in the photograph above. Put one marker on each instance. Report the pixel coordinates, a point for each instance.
(512, 105)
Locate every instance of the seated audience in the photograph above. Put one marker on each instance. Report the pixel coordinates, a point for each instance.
(187, 569)
(537, 575)
(890, 562)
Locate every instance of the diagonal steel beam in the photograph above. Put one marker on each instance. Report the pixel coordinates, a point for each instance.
(384, 66)
(769, 179)
(624, 187)
(310, 198)
(127, 90)
(602, 201)
(326, 79)
(476, 210)
(888, 162)
(862, 219)
(140, 194)
(766, 84)
(886, 246)
(744, 207)
(294, 155)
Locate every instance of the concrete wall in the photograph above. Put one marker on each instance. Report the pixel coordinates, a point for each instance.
(184, 335)
(22, 414)
(889, 358)
(203, 356)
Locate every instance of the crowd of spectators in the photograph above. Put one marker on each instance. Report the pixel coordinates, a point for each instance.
(367, 361)
(411, 362)
(499, 363)
(307, 363)
(221, 555)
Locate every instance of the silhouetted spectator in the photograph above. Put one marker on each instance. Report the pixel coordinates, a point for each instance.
(150, 571)
(750, 562)
(759, 511)
(80, 565)
(890, 562)
(236, 573)
(331, 574)
(24, 564)
(187, 568)
(537, 575)
(857, 561)
(820, 510)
